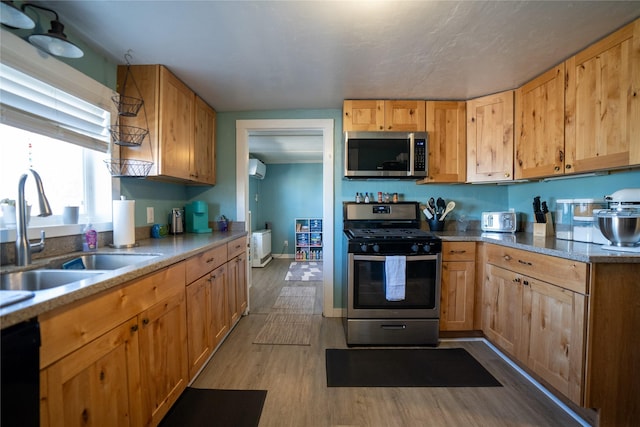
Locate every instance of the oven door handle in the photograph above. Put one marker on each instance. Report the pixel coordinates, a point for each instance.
(383, 257)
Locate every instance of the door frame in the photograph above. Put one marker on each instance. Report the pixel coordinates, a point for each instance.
(243, 130)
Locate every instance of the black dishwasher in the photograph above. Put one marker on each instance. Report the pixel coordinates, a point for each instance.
(20, 370)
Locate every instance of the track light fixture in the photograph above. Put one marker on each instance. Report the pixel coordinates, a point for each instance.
(13, 17)
(55, 41)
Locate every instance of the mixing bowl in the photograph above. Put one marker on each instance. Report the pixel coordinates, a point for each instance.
(620, 226)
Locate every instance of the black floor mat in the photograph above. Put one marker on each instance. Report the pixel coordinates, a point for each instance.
(216, 408)
(447, 367)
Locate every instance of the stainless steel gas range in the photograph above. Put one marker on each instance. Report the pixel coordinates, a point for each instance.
(393, 276)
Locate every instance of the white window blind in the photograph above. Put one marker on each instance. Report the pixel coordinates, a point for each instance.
(36, 106)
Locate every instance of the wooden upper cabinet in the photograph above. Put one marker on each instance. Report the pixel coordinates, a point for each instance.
(490, 138)
(539, 138)
(446, 126)
(363, 115)
(181, 140)
(202, 162)
(602, 112)
(175, 126)
(376, 115)
(404, 116)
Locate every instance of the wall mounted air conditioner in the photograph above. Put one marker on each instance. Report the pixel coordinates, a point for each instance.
(257, 169)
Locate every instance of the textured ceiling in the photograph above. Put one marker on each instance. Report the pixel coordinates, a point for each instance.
(277, 55)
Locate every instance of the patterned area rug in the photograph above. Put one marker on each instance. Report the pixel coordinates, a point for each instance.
(304, 271)
(289, 321)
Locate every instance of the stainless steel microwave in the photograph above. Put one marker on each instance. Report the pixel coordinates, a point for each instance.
(385, 154)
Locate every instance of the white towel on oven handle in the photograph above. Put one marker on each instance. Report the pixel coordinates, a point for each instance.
(395, 277)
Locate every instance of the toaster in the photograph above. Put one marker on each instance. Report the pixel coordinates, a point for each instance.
(501, 222)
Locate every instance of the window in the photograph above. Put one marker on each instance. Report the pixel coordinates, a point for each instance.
(54, 120)
(72, 175)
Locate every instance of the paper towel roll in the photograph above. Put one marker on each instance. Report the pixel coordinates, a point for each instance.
(124, 223)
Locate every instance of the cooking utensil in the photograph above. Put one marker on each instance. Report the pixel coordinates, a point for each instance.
(427, 213)
(450, 206)
(432, 205)
(440, 203)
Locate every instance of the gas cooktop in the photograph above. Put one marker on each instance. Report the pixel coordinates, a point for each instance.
(388, 233)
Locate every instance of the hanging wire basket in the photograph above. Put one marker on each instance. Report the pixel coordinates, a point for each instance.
(128, 168)
(128, 106)
(128, 136)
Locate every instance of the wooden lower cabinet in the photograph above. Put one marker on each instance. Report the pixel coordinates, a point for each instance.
(97, 384)
(502, 309)
(199, 323)
(220, 307)
(539, 324)
(458, 283)
(237, 287)
(117, 358)
(163, 356)
(555, 321)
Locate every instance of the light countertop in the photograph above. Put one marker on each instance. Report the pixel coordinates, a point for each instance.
(170, 250)
(569, 249)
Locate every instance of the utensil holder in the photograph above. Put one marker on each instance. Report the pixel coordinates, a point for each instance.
(544, 229)
(435, 224)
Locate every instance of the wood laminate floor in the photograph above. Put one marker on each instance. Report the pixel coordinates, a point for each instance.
(296, 381)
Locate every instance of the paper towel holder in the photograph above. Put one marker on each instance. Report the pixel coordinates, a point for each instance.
(127, 245)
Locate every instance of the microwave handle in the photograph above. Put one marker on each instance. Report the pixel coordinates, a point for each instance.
(412, 153)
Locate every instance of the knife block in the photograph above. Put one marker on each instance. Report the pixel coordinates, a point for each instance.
(544, 229)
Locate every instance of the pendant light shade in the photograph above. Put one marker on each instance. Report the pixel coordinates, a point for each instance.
(13, 17)
(55, 41)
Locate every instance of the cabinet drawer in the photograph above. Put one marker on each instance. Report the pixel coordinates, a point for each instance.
(458, 251)
(236, 247)
(562, 272)
(68, 328)
(201, 264)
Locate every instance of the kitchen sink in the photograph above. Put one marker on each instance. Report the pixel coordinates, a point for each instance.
(39, 280)
(100, 261)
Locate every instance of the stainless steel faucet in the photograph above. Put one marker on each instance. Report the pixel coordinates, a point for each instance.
(23, 247)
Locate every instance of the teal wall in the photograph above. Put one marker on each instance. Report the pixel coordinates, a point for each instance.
(470, 199)
(287, 192)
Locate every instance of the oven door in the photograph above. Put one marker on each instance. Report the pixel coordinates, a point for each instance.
(366, 297)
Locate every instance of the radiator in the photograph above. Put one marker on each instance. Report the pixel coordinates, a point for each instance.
(261, 248)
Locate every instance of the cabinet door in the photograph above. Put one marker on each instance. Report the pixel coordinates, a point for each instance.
(490, 138)
(232, 292)
(202, 156)
(554, 336)
(602, 109)
(502, 309)
(147, 84)
(539, 144)
(163, 356)
(176, 126)
(220, 307)
(241, 283)
(446, 125)
(404, 116)
(97, 384)
(199, 323)
(363, 115)
(456, 301)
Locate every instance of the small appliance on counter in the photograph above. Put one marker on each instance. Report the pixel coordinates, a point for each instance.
(176, 221)
(620, 224)
(499, 222)
(197, 217)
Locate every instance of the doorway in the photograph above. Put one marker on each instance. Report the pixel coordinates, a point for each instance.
(244, 128)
